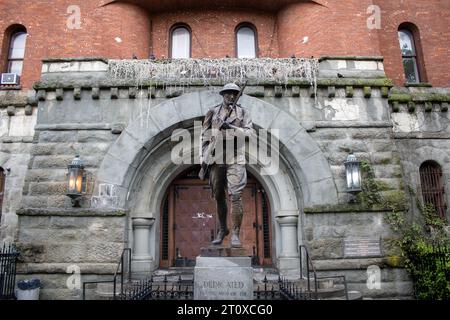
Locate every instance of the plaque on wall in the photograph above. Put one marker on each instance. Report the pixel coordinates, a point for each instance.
(362, 247)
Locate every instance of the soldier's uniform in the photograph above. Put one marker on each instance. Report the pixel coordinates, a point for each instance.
(227, 167)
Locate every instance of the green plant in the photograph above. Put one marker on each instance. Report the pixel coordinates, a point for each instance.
(424, 247)
(426, 252)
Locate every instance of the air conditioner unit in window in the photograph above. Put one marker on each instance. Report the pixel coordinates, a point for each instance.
(10, 78)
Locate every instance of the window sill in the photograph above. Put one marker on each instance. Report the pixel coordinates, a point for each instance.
(420, 85)
(10, 87)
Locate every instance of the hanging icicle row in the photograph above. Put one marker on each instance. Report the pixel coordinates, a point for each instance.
(185, 71)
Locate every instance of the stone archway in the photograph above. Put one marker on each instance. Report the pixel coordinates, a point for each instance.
(139, 166)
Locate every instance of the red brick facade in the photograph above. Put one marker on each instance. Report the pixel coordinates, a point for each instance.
(432, 19)
(118, 30)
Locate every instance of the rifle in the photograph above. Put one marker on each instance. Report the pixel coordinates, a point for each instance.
(204, 171)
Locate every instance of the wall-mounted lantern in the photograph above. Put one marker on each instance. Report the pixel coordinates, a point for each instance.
(353, 174)
(76, 181)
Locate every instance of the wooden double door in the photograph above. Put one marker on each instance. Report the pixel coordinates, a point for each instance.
(189, 222)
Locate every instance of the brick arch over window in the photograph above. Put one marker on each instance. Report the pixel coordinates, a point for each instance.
(412, 54)
(431, 181)
(8, 36)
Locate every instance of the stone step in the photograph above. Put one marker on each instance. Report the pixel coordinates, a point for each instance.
(336, 291)
(105, 290)
(352, 295)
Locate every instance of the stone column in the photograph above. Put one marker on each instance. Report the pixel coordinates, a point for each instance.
(288, 259)
(142, 261)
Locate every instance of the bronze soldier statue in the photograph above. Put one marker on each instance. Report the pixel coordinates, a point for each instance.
(226, 123)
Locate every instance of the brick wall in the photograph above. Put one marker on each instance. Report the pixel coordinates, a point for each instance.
(213, 32)
(49, 36)
(432, 18)
(340, 28)
(332, 27)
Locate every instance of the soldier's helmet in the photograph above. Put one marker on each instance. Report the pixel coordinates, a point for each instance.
(230, 87)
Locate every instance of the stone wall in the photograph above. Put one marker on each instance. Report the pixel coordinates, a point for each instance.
(54, 244)
(421, 131)
(18, 112)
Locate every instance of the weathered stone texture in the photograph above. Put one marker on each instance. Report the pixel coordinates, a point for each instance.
(58, 239)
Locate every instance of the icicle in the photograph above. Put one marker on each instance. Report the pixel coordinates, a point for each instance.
(183, 71)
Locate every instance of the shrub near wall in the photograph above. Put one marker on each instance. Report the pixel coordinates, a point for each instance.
(424, 245)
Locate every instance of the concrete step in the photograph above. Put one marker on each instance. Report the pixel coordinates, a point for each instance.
(352, 295)
(105, 290)
(336, 291)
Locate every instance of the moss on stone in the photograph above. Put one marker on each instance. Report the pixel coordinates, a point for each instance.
(419, 85)
(400, 97)
(383, 186)
(344, 208)
(398, 173)
(256, 94)
(385, 161)
(349, 91)
(72, 212)
(357, 58)
(395, 106)
(432, 97)
(395, 199)
(418, 97)
(394, 261)
(355, 82)
(107, 83)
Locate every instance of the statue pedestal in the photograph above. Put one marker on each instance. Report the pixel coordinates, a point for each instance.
(220, 276)
(222, 251)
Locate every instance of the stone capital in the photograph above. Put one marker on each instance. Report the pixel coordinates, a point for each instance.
(287, 220)
(142, 222)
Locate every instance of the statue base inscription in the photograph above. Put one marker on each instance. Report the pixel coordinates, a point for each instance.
(223, 278)
(222, 251)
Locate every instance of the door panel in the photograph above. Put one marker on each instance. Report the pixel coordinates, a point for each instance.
(193, 222)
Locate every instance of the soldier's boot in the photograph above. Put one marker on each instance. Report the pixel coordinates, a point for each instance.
(222, 215)
(236, 217)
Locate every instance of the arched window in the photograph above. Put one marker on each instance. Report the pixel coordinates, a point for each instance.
(2, 190)
(16, 51)
(246, 42)
(408, 38)
(180, 42)
(432, 186)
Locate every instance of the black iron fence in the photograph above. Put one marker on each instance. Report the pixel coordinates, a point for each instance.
(163, 289)
(283, 289)
(8, 262)
(154, 289)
